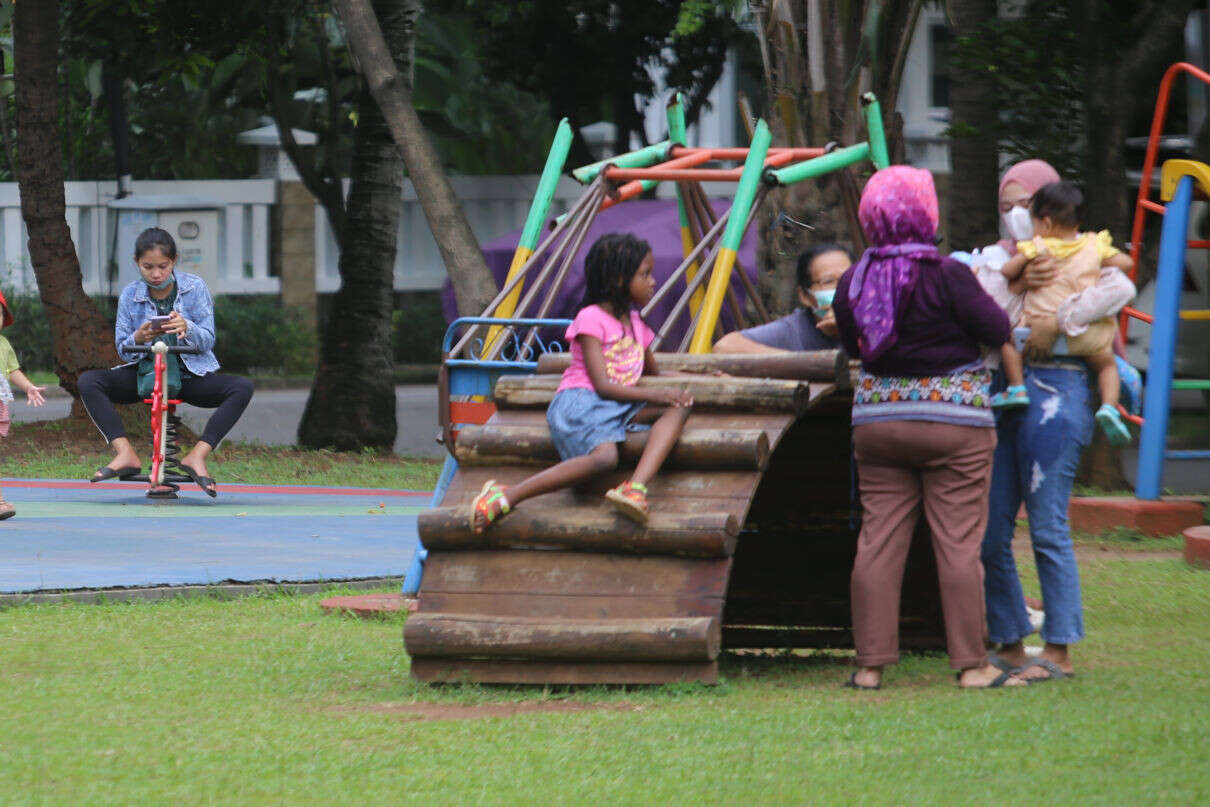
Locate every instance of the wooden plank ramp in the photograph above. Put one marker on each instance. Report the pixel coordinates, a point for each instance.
(564, 590)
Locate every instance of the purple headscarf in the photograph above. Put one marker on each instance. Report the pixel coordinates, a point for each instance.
(898, 213)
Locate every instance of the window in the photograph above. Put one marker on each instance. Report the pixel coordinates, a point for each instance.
(939, 67)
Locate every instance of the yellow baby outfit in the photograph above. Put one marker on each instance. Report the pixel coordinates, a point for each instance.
(1079, 268)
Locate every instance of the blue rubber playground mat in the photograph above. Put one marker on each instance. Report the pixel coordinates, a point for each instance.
(73, 535)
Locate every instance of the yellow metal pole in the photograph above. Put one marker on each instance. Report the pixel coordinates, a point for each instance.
(754, 166)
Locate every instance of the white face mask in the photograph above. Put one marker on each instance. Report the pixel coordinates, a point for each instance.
(1018, 224)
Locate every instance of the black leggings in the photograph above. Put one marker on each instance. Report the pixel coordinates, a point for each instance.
(101, 389)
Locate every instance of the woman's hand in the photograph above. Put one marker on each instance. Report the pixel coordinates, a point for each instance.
(1043, 331)
(1040, 271)
(827, 325)
(676, 398)
(176, 324)
(143, 334)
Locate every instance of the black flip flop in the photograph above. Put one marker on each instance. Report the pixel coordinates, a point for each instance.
(203, 482)
(997, 682)
(1053, 671)
(852, 684)
(105, 472)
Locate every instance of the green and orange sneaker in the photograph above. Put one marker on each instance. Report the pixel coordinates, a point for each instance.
(489, 506)
(630, 498)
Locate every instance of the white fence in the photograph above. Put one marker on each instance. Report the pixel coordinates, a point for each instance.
(494, 205)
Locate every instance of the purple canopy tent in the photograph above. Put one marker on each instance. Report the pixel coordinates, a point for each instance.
(656, 222)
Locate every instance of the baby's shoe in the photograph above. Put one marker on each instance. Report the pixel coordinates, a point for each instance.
(631, 499)
(6, 510)
(1013, 396)
(1111, 423)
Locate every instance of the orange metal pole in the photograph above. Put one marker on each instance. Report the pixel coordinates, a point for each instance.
(742, 153)
(1143, 203)
(666, 172)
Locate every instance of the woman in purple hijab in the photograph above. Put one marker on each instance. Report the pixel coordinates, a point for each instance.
(923, 432)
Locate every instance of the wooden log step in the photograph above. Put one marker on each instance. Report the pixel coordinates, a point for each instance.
(774, 425)
(486, 636)
(809, 365)
(709, 392)
(594, 527)
(574, 574)
(705, 449)
(671, 490)
(510, 671)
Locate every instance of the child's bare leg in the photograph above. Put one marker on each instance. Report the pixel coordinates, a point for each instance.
(602, 459)
(1108, 380)
(1014, 367)
(664, 434)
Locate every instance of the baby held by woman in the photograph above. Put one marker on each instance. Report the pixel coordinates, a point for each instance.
(1079, 257)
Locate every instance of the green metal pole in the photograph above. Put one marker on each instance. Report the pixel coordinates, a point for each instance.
(749, 179)
(534, 221)
(873, 122)
(676, 134)
(817, 166)
(641, 158)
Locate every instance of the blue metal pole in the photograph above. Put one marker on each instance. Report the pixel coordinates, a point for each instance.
(415, 572)
(1157, 397)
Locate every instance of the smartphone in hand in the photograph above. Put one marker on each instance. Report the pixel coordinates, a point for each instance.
(159, 323)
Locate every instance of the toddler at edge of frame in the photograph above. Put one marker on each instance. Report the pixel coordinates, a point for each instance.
(10, 373)
(598, 400)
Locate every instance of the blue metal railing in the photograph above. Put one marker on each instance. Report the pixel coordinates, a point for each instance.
(474, 376)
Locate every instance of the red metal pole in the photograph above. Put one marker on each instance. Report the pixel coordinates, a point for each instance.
(1143, 203)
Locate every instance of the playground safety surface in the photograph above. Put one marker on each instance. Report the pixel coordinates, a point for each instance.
(71, 535)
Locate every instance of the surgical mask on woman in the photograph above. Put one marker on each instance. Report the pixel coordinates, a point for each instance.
(168, 281)
(1018, 224)
(823, 301)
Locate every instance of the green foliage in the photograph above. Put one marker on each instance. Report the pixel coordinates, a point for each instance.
(417, 326)
(256, 335)
(30, 332)
(590, 59)
(1034, 62)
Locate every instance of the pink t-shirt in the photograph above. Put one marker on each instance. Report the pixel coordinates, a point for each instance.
(623, 347)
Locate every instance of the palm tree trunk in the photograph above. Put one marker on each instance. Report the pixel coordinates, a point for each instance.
(82, 339)
(473, 285)
(352, 403)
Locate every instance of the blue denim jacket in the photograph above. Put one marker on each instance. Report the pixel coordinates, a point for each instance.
(194, 304)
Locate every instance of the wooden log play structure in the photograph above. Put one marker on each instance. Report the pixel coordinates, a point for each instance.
(752, 530)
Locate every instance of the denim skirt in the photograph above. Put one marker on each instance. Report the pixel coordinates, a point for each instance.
(580, 420)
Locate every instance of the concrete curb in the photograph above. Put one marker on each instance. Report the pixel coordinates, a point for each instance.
(223, 591)
(1154, 518)
(1197, 546)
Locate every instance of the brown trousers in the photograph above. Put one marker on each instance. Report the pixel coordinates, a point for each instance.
(900, 465)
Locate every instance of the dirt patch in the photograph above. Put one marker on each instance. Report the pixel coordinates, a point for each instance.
(426, 712)
(77, 436)
(1086, 552)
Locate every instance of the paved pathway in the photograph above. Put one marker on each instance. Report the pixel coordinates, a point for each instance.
(71, 535)
(273, 416)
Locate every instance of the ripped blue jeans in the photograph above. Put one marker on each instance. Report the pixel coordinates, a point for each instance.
(1037, 454)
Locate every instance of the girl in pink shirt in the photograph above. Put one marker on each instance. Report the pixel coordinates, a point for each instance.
(598, 398)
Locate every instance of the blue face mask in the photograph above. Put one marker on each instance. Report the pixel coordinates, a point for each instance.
(823, 301)
(168, 281)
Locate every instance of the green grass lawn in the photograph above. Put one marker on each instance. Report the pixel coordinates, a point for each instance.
(267, 700)
(71, 449)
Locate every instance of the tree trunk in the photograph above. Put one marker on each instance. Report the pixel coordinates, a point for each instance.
(352, 404)
(474, 287)
(973, 145)
(82, 339)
